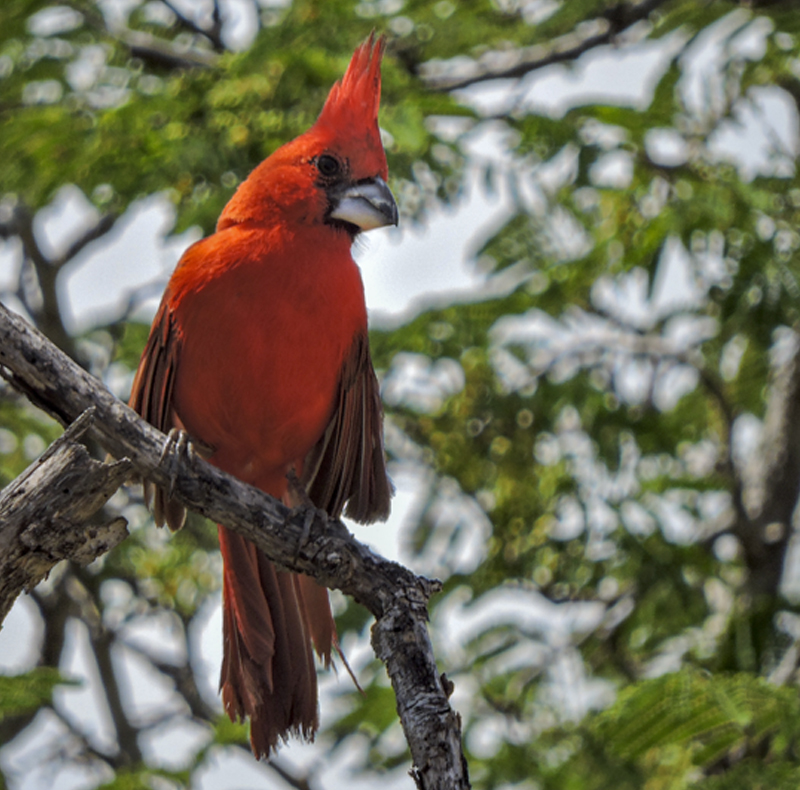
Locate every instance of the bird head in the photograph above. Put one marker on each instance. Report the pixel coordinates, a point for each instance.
(335, 173)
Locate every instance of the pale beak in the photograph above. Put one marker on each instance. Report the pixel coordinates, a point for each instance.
(367, 205)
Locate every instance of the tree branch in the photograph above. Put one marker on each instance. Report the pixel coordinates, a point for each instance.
(102, 641)
(43, 514)
(19, 222)
(186, 685)
(46, 313)
(518, 62)
(100, 228)
(146, 46)
(213, 34)
(773, 478)
(299, 541)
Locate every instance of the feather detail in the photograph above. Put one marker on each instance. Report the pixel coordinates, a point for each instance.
(151, 397)
(268, 671)
(354, 101)
(348, 463)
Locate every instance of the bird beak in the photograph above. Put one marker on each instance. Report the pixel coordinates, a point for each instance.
(367, 205)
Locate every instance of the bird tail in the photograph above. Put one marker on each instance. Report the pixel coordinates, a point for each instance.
(271, 618)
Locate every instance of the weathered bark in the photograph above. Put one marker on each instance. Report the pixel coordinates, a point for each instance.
(772, 483)
(43, 514)
(304, 541)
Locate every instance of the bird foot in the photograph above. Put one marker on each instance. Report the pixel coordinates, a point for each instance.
(176, 446)
(301, 503)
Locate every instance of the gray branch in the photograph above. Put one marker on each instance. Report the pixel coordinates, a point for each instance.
(305, 542)
(772, 480)
(17, 220)
(43, 514)
(516, 63)
(213, 34)
(100, 228)
(146, 46)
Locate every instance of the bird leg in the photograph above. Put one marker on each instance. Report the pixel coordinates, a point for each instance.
(299, 500)
(177, 445)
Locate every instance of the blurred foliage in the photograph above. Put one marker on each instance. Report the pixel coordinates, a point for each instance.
(606, 431)
(146, 779)
(29, 691)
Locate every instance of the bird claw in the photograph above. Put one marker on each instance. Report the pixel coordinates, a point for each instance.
(176, 445)
(308, 520)
(302, 503)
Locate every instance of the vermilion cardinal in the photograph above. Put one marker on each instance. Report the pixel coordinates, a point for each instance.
(259, 352)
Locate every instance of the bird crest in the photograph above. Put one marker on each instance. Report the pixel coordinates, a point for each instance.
(356, 97)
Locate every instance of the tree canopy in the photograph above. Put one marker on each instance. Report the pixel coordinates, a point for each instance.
(606, 431)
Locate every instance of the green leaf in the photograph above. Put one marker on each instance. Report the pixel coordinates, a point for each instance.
(26, 693)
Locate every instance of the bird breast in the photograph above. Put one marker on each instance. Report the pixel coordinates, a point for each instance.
(269, 333)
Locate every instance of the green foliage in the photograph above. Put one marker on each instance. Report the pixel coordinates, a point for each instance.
(31, 432)
(713, 718)
(228, 733)
(589, 456)
(195, 134)
(24, 693)
(680, 730)
(372, 715)
(174, 571)
(754, 774)
(147, 779)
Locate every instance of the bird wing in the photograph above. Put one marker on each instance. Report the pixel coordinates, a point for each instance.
(348, 464)
(151, 397)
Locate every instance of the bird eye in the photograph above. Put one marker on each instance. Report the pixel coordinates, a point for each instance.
(328, 165)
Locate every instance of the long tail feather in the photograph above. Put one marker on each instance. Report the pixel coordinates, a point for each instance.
(270, 619)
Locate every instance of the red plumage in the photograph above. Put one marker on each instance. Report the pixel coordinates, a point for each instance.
(259, 351)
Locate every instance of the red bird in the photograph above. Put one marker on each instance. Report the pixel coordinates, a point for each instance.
(259, 351)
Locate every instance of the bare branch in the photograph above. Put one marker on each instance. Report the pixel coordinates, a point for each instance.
(145, 45)
(127, 734)
(164, 53)
(773, 478)
(213, 34)
(291, 779)
(183, 678)
(603, 30)
(17, 220)
(100, 228)
(43, 514)
(313, 545)
(55, 608)
(186, 685)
